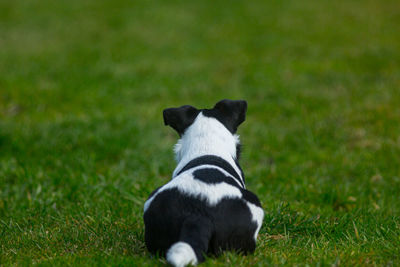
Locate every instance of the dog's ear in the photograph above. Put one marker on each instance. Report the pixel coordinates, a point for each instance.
(180, 118)
(232, 113)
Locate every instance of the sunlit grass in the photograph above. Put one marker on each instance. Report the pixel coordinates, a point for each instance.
(82, 141)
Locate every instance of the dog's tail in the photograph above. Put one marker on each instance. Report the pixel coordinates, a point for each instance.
(193, 242)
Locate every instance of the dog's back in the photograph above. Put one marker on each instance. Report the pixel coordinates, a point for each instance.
(205, 208)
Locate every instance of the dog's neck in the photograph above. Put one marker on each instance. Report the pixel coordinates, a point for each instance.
(206, 136)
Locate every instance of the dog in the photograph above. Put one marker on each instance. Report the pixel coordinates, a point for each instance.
(205, 208)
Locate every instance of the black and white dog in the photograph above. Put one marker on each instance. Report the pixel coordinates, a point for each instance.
(205, 208)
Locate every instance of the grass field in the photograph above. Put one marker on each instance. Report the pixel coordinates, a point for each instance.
(82, 141)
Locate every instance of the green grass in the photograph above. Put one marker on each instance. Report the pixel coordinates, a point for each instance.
(82, 141)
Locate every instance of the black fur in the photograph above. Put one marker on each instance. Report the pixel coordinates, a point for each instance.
(213, 160)
(180, 118)
(238, 151)
(213, 176)
(231, 113)
(174, 217)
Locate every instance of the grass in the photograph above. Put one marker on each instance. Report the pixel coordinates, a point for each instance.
(82, 142)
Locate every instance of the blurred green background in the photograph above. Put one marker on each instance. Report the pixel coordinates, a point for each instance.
(82, 141)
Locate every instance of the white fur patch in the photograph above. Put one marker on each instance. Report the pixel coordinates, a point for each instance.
(181, 254)
(186, 184)
(257, 217)
(206, 136)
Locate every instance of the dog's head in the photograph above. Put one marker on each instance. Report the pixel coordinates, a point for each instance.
(202, 128)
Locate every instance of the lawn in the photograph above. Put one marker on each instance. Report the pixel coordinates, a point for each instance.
(82, 141)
